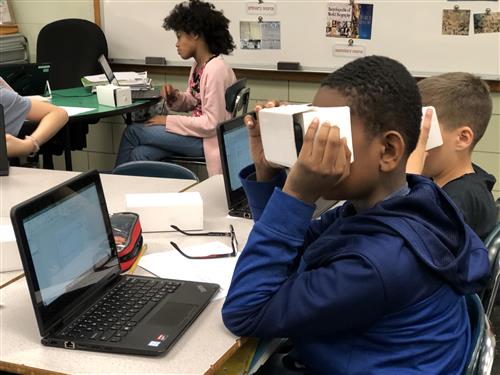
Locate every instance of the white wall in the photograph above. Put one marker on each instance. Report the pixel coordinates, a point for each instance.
(104, 137)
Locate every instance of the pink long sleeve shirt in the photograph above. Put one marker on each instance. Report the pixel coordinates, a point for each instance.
(217, 76)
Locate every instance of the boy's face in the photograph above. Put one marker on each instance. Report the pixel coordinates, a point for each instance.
(440, 158)
(364, 176)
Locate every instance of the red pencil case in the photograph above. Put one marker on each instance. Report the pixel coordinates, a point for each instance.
(127, 232)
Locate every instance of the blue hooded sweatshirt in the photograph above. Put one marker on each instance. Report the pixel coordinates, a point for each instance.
(376, 292)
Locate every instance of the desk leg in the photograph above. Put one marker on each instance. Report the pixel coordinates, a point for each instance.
(67, 148)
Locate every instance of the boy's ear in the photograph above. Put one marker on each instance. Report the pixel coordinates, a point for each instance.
(392, 151)
(464, 136)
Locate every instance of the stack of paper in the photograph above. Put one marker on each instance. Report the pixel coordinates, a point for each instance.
(136, 81)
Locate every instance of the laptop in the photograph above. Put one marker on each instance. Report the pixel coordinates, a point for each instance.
(235, 155)
(4, 160)
(81, 300)
(136, 94)
(26, 79)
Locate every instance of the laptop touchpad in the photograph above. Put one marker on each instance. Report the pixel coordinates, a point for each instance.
(171, 314)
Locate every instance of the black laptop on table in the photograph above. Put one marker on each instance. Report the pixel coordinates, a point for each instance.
(235, 155)
(152, 93)
(81, 300)
(26, 79)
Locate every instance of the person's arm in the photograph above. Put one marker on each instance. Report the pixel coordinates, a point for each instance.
(214, 81)
(266, 297)
(50, 119)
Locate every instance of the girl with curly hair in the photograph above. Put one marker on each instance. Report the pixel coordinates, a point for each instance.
(202, 33)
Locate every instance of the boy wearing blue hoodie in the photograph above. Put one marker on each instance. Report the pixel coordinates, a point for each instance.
(377, 285)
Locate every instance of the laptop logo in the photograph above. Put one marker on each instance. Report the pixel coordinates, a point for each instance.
(201, 288)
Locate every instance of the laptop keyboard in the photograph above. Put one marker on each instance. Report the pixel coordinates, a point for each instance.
(119, 312)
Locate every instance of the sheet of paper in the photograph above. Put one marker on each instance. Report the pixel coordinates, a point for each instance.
(172, 265)
(72, 111)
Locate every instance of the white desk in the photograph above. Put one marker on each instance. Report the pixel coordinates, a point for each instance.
(23, 183)
(202, 345)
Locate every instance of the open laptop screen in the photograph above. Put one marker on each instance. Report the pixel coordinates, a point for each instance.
(237, 153)
(108, 72)
(66, 245)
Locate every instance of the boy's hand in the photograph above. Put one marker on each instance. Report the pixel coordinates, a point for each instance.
(416, 160)
(323, 162)
(264, 170)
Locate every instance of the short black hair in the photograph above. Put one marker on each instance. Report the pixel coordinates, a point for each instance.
(200, 18)
(383, 94)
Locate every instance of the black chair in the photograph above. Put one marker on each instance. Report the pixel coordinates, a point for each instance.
(237, 97)
(154, 169)
(482, 352)
(492, 243)
(72, 47)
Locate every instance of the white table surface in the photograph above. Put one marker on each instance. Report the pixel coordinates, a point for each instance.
(202, 345)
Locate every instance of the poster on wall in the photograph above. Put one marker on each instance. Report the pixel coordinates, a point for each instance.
(488, 22)
(260, 35)
(456, 22)
(353, 21)
(6, 15)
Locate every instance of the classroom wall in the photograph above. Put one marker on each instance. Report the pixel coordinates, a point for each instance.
(103, 138)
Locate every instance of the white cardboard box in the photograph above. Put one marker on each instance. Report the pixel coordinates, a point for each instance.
(114, 96)
(277, 128)
(157, 211)
(9, 254)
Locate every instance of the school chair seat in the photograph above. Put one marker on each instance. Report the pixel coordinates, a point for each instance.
(148, 168)
(237, 97)
(480, 358)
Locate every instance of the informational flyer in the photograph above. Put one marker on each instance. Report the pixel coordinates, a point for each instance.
(260, 35)
(349, 21)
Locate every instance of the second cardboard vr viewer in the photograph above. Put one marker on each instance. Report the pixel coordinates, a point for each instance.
(282, 129)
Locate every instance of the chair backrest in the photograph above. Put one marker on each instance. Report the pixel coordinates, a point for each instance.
(237, 97)
(72, 47)
(477, 328)
(155, 169)
(492, 243)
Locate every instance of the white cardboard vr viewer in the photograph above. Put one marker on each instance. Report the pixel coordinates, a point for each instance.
(278, 132)
(158, 211)
(114, 96)
(435, 139)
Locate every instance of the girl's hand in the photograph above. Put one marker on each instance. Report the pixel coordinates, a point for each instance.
(156, 120)
(169, 93)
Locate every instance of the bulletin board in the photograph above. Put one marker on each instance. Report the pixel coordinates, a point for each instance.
(409, 31)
